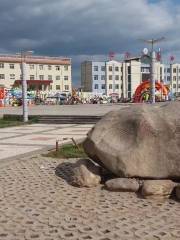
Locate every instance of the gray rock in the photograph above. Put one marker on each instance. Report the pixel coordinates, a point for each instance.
(85, 174)
(122, 185)
(138, 141)
(178, 192)
(157, 188)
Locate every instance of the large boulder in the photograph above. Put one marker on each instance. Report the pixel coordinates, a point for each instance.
(138, 141)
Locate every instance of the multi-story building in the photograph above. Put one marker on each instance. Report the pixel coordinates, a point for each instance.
(119, 78)
(114, 78)
(93, 77)
(43, 73)
(172, 77)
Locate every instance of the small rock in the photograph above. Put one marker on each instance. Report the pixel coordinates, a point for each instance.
(157, 188)
(86, 174)
(178, 192)
(122, 184)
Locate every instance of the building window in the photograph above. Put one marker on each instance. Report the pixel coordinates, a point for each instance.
(49, 67)
(58, 78)
(95, 68)
(103, 86)
(1, 65)
(11, 66)
(66, 68)
(129, 83)
(103, 68)
(174, 85)
(65, 78)
(103, 77)
(178, 85)
(117, 77)
(145, 70)
(95, 77)
(58, 68)
(174, 70)
(31, 66)
(174, 78)
(2, 76)
(110, 77)
(41, 67)
(96, 86)
(168, 78)
(129, 70)
(58, 87)
(168, 70)
(32, 77)
(110, 86)
(12, 76)
(66, 87)
(117, 86)
(50, 87)
(41, 77)
(110, 68)
(49, 77)
(117, 69)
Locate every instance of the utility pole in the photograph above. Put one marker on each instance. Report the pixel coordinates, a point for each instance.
(23, 55)
(153, 63)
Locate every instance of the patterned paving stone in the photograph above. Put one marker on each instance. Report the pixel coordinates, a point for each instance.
(36, 202)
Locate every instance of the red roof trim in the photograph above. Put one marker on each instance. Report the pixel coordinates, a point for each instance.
(34, 82)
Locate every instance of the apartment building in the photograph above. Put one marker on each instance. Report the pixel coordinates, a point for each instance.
(117, 78)
(93, 77)
(114, 78)
(43, 73)
(172, 77)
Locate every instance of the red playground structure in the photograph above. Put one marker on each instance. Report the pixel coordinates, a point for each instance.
(142, 93)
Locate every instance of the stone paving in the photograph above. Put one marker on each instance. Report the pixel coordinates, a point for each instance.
(82, 109)
(37, 203)
(29, 138)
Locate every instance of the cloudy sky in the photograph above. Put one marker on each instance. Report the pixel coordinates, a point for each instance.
(88, 29)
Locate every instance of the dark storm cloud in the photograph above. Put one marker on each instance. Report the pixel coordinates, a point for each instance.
(86, 28)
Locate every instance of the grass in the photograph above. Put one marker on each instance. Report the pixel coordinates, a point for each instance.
(68, 151)
(10, 122)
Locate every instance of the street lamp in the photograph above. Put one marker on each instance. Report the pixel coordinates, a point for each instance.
(23, 55)
(153, 61)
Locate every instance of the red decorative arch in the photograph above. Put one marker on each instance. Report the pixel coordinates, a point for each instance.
(145, 87)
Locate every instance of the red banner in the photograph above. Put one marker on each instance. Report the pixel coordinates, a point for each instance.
(2, 95)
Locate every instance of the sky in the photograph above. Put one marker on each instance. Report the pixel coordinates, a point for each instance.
(88, 29)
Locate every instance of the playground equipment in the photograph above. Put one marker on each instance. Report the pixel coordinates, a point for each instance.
(143, 92)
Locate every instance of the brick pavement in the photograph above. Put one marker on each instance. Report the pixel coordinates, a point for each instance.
(37, 203)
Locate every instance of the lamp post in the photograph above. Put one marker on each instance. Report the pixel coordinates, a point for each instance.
(24, 54)
(153, 61)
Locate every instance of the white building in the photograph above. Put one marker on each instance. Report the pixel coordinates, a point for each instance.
(172, 77)
(117, 78)
(43, 73)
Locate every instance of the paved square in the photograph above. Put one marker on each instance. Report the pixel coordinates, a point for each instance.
(30, 138)
(36, 202)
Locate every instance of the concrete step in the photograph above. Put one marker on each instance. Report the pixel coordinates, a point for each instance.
(69, 119)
